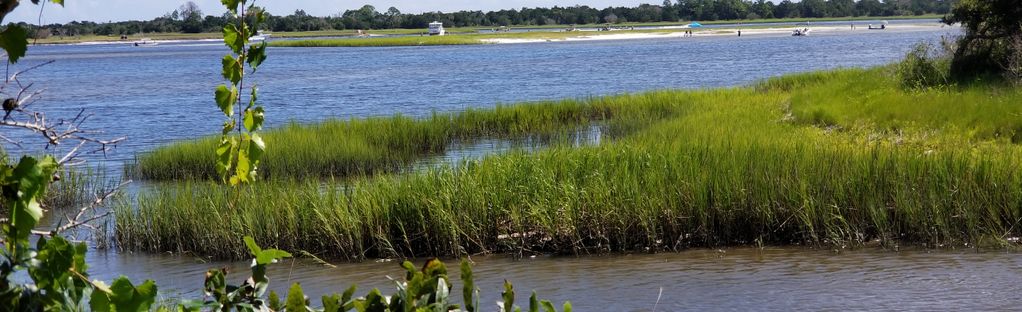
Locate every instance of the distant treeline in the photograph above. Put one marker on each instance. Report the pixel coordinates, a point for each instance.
(189, 19)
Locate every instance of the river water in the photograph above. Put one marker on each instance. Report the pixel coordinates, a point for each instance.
(156, 95)
(743, 279)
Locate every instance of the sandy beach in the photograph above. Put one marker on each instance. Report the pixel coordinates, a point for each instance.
(721, 32)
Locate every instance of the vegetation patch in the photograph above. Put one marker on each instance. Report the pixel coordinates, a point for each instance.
(843, 157)
(340, 148)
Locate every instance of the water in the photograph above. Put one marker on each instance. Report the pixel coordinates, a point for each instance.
(733, 279)
(161, 94)
(155, 95)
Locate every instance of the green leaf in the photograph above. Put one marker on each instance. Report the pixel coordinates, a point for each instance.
(254, 118)
(374, 302)
(243, 165)
(509, 296)
(225, 99)
(231, 69)
(100, 299)
(295, 299)
(55, 258)
(468, 288)
(346, 297)
(252, 246)
(260, 14)
(253, 96)
(27, 183)
(256, 55)
(231, 5)
(14, 40)
(270, 255)
(547, 306)
(567, 307)
(274, 301)
(234, 38)
(228, 126)
(225, 155)
(216, 283)
(331, 303)
(256, 150)
(123, 296)
(533, 302)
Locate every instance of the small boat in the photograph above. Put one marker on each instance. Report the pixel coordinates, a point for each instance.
(437, 29)
(259, 36)
(801, 30)
(145, 42)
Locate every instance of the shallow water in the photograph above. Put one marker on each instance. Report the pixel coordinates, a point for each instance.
(733, 279)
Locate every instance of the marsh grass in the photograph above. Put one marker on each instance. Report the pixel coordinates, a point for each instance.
(341, 148)
(837, 158)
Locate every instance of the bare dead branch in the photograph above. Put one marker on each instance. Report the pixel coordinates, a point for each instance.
(65, 130)
(78, 220)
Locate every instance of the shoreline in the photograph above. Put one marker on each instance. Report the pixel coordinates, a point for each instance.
(665, 31)
(718, 32)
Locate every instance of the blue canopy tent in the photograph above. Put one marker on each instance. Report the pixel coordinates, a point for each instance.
(695, 24)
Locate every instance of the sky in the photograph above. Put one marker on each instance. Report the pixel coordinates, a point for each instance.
(123, 10)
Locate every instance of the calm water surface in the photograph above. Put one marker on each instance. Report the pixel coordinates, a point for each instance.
(164, 93)
(735, 279)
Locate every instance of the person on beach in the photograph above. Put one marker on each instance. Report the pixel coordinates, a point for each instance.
(739, 32)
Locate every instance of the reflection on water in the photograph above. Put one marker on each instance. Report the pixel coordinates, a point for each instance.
(733, 279)
(460, 152)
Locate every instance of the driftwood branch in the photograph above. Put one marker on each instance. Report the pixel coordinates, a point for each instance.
(19, 114)
(54, 133)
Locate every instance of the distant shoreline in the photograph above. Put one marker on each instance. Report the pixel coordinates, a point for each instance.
(335, 34)
(590, 35)
(719, 32)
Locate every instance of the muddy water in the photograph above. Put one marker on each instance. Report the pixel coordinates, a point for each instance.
(732, 279)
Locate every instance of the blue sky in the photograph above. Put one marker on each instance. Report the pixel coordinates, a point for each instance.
(120, 10)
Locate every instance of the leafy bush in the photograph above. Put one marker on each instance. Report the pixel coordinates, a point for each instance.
(924, 67)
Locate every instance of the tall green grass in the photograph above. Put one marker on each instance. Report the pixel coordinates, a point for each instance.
(753, 165)
(339, 148)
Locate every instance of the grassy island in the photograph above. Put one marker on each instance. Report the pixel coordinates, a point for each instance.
(843, 157)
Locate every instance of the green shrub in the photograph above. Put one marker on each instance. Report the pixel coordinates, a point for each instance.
(924, 67)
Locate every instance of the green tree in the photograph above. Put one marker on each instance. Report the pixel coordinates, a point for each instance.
(991, 29)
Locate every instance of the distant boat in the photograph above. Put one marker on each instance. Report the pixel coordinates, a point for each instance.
(695, 25)
(437, 29)
(801, 29)
(259, 36)
(145, 42)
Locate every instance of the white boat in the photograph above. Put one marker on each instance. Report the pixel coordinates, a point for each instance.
(259, 36)
(437, 29)
(801, 29)
(145, 42)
